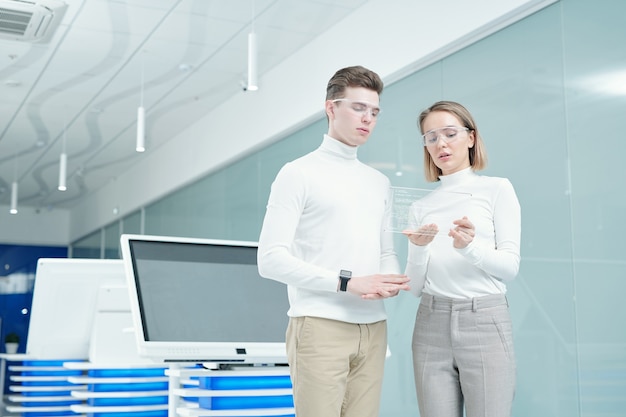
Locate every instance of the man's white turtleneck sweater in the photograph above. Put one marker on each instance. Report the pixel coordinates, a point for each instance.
(326, 212)
(492, 258)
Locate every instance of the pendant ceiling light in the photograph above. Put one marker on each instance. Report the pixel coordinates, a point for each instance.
(253, 84)
(141, 129)
(63, 164)
(141, 119)
(13, 209)
(252, 62)
(62, 172)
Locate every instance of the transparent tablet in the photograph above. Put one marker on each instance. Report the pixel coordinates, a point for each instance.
(412, 208)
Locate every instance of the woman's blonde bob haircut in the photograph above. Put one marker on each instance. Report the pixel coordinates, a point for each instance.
(477, 153)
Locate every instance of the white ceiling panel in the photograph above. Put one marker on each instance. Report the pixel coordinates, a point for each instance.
(80, 91)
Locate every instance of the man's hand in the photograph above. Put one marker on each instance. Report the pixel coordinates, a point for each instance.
(376, 287)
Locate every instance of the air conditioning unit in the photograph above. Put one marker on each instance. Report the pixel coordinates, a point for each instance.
(30, 20)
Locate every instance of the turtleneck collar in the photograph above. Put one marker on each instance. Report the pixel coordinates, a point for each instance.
(338, 148)
(458, 178)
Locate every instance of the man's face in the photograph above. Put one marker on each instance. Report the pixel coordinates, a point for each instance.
(351, 118)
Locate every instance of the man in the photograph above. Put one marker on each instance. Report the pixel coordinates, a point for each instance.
(323, 236)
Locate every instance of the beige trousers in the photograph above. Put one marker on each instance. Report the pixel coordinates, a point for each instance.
(336, 367)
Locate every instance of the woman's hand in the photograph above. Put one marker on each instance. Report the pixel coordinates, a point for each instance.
(463, 234)
(422, 236)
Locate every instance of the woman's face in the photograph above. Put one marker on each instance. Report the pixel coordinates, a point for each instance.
(447, 141)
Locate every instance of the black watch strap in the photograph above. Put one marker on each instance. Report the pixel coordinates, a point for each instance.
(344, 277)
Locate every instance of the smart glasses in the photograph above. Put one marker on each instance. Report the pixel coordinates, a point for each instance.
(448, 134)
(361, 107)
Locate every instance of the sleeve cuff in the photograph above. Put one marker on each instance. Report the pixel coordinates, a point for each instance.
(418, 255)
(472, 253)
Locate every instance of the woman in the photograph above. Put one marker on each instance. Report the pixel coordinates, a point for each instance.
(463, 248)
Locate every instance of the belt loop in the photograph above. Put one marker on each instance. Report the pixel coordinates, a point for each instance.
(507, 300)
(431, 302)
(474, 304)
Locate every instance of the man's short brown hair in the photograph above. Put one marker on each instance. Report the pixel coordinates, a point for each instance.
(356, 76)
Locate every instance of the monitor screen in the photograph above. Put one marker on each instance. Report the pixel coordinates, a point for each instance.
(64, 305)
(203, 300)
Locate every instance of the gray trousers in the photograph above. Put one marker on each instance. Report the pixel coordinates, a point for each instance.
(463, 355)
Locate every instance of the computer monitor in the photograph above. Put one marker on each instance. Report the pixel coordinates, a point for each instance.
(64, 305)
(203, 300)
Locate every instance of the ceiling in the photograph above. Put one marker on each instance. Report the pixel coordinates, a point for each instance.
(78, 92)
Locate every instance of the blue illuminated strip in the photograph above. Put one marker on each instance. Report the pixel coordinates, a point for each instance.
(160, 413)
(57, 362)
(124, 373)
(51, 404)
(47, 383)
(245, 382)
(246, 402)
(109, 402)
(45, 413)
(140, 386)
(47, 393)
(59, 372)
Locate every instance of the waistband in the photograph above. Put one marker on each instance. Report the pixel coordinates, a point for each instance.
(444, 303)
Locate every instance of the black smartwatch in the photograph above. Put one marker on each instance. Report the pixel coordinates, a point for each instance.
(344, 277)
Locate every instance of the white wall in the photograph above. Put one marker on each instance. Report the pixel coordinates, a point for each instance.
(34, 227)
(391, 37)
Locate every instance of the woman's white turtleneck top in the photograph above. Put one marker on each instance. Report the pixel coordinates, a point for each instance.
(491, 259)
(326, 212)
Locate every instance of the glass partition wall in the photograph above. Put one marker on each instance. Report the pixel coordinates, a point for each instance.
(548, 94)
